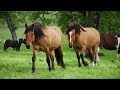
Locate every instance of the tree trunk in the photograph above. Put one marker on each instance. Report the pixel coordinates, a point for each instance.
(98, 20)
(11, 27)
(90, 18)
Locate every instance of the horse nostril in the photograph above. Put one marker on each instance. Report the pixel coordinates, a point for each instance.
(28, 46)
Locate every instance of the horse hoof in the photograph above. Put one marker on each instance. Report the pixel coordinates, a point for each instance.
(53, 68)
(79, 65)
(63, 66)
(33, 73)
(86, 64)
(50, 69)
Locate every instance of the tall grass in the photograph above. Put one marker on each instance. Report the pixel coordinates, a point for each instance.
(17, 65)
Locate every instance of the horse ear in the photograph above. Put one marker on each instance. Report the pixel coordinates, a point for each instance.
(26, 25)
(33, 25)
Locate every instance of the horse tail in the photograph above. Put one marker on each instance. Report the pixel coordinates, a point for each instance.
(59, 56)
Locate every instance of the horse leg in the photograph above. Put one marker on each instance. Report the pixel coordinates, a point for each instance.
(98, 59)
(49, 57)
(61, 57)
(78, 58)
(52, 60)
(91, 54)
(94, 56)
(5, 48)
(33, 60)
(57, 56)
(81, 55)
(48, 62)
(83, 61)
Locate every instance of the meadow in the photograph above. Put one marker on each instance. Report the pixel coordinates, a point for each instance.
(17, 65)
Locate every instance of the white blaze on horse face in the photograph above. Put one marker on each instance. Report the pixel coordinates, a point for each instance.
(70, 33)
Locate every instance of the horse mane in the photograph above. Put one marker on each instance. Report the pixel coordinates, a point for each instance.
(29, 28)
(37, 28)
(76, 26)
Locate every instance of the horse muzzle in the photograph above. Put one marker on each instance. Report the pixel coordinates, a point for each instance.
(28, 46)
(70, 45)
(118, 51)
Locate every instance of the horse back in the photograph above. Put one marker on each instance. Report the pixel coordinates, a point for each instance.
(91, 36)
(52, 38)
(108, 41)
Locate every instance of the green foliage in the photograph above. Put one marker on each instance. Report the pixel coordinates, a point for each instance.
(111, 21)
(65, 17)
(45, 17)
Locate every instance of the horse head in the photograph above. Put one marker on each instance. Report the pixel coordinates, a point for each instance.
(73, 28)
(29, 31)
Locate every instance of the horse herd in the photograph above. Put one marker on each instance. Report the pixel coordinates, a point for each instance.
(49, 38)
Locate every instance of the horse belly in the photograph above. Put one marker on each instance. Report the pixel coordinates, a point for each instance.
(55, 45)
(55, 42)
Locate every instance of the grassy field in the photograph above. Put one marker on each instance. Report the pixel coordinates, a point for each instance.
(17, 65)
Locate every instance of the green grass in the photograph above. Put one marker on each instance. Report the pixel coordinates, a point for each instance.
(17, 65)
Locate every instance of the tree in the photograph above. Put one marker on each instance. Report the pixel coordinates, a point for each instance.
(11, 26)
(98, 20)
(6, 15)
(90, 18)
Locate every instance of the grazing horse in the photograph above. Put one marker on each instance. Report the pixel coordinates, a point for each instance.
(15, 44)
(46, 39)
(108, 41)
(83, 39)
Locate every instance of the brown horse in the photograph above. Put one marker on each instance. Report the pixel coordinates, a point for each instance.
(83, 39)
(108, 41)
(46, 39)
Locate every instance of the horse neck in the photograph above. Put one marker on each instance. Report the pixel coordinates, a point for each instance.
(80, 36)
(77, 35)
(40, 41)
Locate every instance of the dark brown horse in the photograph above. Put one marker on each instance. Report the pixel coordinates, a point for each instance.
(108, 41)
(15, 44)
(83, 39)
(46, 39)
